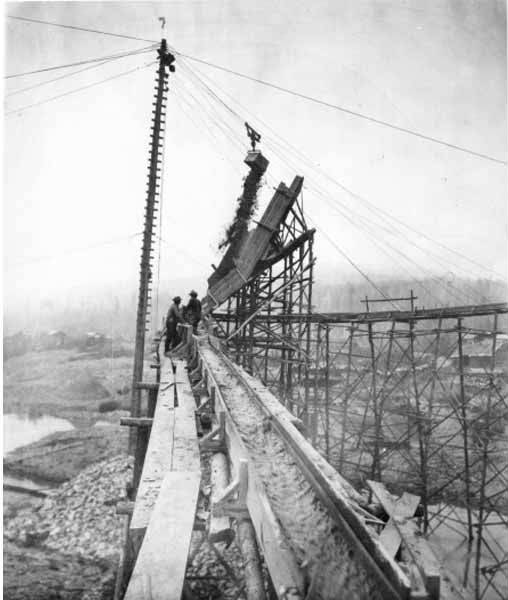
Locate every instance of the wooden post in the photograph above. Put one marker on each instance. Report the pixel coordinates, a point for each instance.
(345, 400)
(422, 444)
(376, 459)
(220, 527)
(465, 435)
(137, 443)
(327, 391)
(152, 401)
(485, 439)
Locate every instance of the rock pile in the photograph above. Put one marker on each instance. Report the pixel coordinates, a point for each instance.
(78, 517)
(214, 571)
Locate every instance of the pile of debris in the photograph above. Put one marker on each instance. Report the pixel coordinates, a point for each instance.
(78, 517)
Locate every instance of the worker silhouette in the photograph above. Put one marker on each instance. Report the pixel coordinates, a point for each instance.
(193, 311)
(173, 318)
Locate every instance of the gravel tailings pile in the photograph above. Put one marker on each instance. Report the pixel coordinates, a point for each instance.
(329, 563)
(78, 517)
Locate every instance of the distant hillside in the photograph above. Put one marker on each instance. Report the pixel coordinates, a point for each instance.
(105, 310)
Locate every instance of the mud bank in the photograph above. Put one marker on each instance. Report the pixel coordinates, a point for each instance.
(61, 456)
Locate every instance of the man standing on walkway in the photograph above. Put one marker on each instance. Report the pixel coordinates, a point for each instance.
(174, 317)
(193, 311)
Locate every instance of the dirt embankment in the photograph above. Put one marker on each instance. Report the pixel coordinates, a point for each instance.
(60, 456)
(66, 384)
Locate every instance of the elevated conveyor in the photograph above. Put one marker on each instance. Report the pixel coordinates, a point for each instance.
(316, 534)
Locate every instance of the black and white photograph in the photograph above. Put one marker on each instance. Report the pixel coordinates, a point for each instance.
(255, 300)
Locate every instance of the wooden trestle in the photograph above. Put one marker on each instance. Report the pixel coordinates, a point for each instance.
(163, 514)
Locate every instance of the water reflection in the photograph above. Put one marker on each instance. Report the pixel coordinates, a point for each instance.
(20, 430)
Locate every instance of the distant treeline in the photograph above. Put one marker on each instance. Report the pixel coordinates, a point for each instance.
(114, 314)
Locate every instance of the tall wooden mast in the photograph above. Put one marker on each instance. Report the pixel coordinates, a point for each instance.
(165, 66)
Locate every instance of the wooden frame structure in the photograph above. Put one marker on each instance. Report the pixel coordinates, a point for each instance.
(279, 283)
(418, 400)
(390, 395)
(421, 404)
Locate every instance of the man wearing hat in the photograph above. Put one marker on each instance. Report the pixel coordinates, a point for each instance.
(193, 311)
(174, 317)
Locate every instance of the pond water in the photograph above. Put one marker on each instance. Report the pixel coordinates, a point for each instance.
(20, 430)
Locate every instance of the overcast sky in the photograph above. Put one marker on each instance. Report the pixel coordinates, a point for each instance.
(75, 168)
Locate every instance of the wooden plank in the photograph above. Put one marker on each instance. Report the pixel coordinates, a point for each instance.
(136, 421)
(402, 508)
(275, 213)
(124, 507)
(422, 555)
(158, 455)
(386, 499)
(159, 572)
(144, 385)
(229, 284)
(185, 456)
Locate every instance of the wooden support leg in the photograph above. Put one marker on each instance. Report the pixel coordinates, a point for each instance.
(216, 439)
(152, 401)
(219, 529)
(143, 435)
(232, 500)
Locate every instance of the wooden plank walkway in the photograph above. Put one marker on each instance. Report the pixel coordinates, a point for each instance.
(158, 455)
(159, 572)
(164, 511)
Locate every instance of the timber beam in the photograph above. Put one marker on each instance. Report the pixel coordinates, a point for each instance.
(143, 385)
(449, 312)
(136, 421)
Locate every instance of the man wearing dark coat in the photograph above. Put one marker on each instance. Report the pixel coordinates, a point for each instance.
(173, 318)
(193, 311)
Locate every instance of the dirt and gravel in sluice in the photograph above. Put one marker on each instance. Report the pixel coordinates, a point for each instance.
(330, 565)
